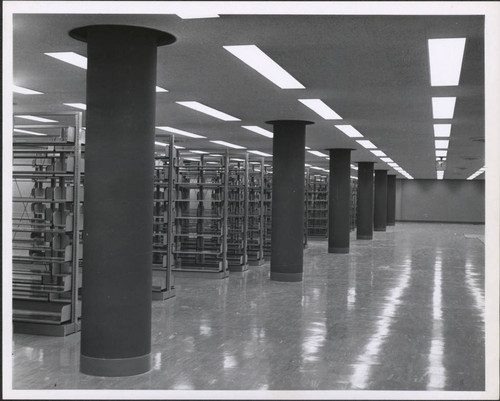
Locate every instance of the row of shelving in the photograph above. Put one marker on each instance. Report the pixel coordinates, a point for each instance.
(47, 224)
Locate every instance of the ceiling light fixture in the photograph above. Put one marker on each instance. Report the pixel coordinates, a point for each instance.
(81, 106)
(201, 152)
(258, 130)
(445, 57)
(477, 173)
(441, 144)
(320, 108)
(386, 159)
(158, 89)
(440, 174)
(36, 118)
(196, 14)
(441, 153)
(443, 107)
(257, 152)
(160, 143)
(316, 153)
(230, 145)
(263, 64)
(180, 132)
(366, 144)
(378, 153)
(25, 91)
(442, 130)
(23, 131)
(208, 110)
(71, 58)
(350, 131)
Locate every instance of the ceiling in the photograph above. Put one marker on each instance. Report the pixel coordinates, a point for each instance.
(372, 70)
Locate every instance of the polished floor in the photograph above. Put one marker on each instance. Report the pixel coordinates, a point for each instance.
(404, 311)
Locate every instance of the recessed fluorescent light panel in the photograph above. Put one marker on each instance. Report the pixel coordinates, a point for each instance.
(258, 130)
(393, 164)
(208, 110)
(386, 159)
(378, 153)
(180, 132)
(263, 64)
(366, 144)
(316, 153)
(257, 152)
(158, 89)
(160, 143)
(477, 173)
(25, 91)
(441, 153)
(443, 107)
(23, 131)
(445, 57)
(200, 152)
(81, 106)
(36, 118)
(442, 144)
(320, 108)
(196, 15)
(350, 131)
(71, 58)
(440, 174)
(442, 130)
(229, 145)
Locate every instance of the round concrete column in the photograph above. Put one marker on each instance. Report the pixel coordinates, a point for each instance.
(339, 201)
(380, 201)
(391, 200)
(287, 240)
(119, 160)
(364, 221)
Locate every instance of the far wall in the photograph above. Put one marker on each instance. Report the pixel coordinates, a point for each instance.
(454, 201)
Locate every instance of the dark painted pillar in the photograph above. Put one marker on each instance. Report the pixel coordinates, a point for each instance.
(380, 201)
(287, 239)
(119, 160)
(391, 200)
(364, 221)
(339, 201)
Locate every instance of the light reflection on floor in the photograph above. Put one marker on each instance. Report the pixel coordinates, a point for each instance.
(402, 312)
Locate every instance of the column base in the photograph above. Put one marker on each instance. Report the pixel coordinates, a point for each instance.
(338, 250)
(364, 237)
(115, 367)
(379, 229)
(289, 277)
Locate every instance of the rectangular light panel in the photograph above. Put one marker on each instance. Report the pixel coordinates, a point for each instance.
(158, 89)
(229, 145)
(443, 107)
(200, 152)
(320, 108)
(23, 131)
(445, 57)
(316, 153)
(81, 106)
(208, 110)
(393, 164)
(180, 132)
(25, 91)
(378, 153)
(386, 159)
(160, 143)
(441, 153)
(258, 130)
(36, 118)
(442, 144)
(440, 175)
(264, 65)
(350, 131)
(442, 130)
(193, 14)
(366, 144)
(71, 58)
(257, 152)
